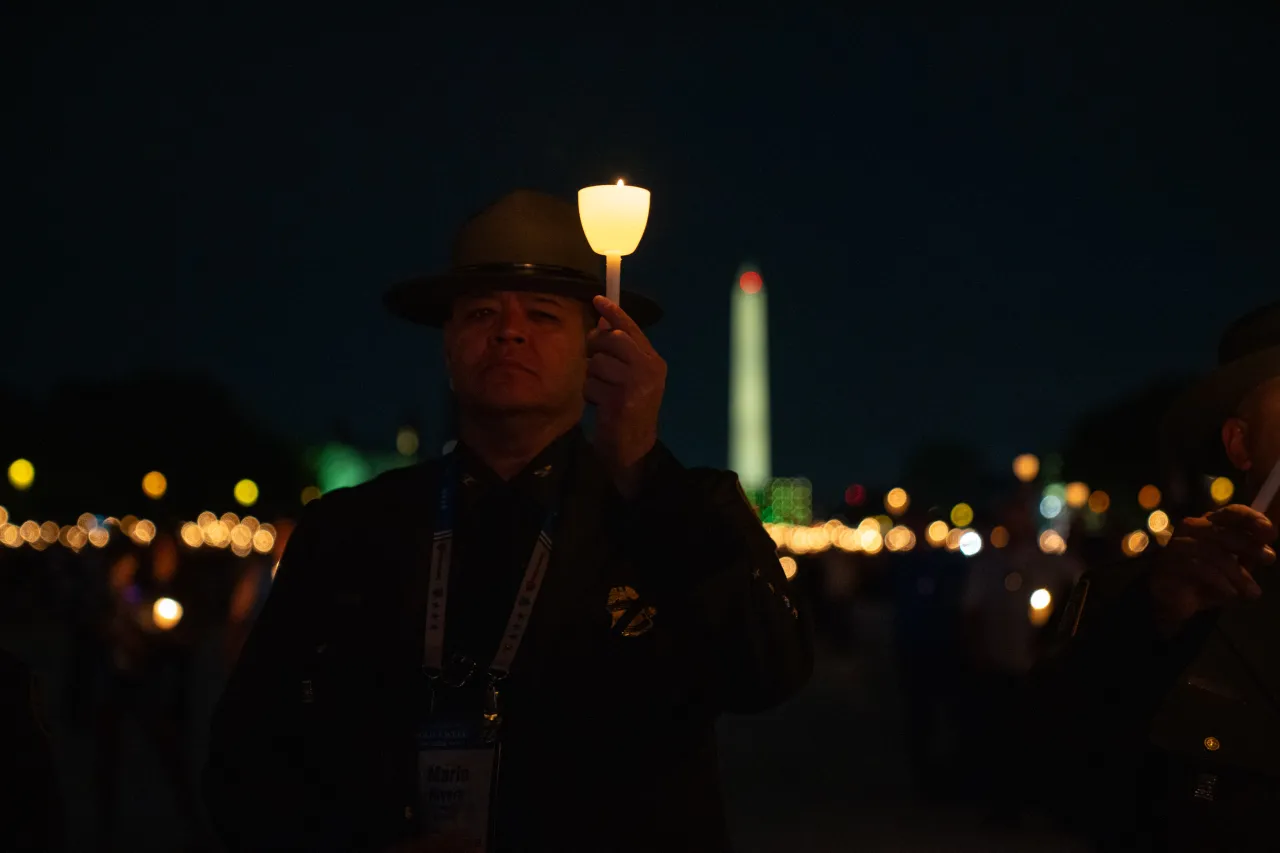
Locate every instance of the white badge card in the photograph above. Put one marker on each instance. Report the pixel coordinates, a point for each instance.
(457, 775)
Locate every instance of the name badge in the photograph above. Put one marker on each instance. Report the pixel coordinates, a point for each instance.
(457, 778)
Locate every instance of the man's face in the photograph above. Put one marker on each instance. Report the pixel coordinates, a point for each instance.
(509, 352)
(1253, 438)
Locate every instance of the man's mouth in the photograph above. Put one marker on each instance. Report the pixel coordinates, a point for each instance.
(509, 364)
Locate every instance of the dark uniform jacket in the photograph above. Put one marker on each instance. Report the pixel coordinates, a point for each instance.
(1162, 745)
(609, 739)
(30, 810)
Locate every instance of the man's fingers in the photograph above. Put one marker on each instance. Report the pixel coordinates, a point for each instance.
(619, 319)
(1203, 575)
(1234, 540)
(1247, 520)
(617, 343)
(1209, 563)
(599, 393)
(1242, 546)
(605, 367)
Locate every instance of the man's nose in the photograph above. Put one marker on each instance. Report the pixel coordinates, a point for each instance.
(511, 326)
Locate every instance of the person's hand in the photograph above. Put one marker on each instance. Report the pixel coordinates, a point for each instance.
(1209, 563)
(625, 381)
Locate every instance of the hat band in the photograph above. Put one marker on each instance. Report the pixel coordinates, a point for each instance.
(526, 270)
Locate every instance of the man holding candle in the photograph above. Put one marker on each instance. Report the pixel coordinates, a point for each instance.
(1164, 707)
(381, 703)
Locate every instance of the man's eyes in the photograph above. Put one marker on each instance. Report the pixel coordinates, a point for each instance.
(486, 311)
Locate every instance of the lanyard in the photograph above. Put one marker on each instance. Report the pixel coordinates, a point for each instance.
(438, 594)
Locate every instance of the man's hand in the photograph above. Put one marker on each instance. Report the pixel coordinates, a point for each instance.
(1209, 563)
(625, 381)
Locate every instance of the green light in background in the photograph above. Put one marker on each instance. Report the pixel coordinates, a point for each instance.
(340, 467)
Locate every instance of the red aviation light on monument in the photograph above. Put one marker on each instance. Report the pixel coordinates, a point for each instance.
(750, 282)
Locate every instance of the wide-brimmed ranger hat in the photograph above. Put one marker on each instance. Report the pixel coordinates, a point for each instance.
(1248, 355)
(526, 241)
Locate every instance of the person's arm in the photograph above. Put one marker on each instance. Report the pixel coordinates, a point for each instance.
(259, 790)
(740, 624)
(1095, 694)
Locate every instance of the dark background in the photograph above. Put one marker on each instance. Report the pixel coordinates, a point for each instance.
(979, 236)
(967, 225)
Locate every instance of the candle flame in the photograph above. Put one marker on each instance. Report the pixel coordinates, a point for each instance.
(619, 181)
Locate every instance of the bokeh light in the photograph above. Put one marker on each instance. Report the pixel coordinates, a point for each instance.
(1051, 506)
(1051, 542)
(1013, 581)
(166, 613)
(99, 537)
(750, 282)
(9, 536)
(936, 533)
(264, 541)
(872, 541)
(1222, 490)
(1134, 543)
(217, 535)
(1077, 495)
(789, 566)
(191, 535)
(1041, 599)
(999, 536)
(970, 543)
(953, 538)
(1158, 521)
(241, 537)
(154, 485)
(246, 493)
(855, 495)
(897, 501)
(900, 538)
(4, 515)
(22, 474)
(1149, 497)
(407, 441)
(1026, 467)
(1099, 502)
(29, 531)
(77, 538)
(962, 515)
(309, 494)
(850, 540)
(143, 532)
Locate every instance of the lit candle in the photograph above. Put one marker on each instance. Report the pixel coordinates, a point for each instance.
(1267, 493)
(613, 218)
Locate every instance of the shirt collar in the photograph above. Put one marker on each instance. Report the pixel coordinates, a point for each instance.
(540, 479)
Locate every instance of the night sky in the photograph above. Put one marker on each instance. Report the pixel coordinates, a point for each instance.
(972, 228)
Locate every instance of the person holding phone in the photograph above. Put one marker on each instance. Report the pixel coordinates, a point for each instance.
(525, 644)
(1162, 705)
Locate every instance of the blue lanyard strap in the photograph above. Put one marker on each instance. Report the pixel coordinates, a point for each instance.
(438, 588)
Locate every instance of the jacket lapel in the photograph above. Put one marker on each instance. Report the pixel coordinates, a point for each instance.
(580, 550)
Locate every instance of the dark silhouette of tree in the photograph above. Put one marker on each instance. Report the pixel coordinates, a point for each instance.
(93, 441)
(945, 471)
